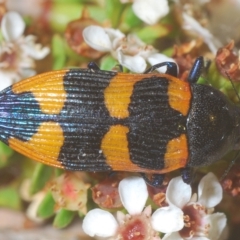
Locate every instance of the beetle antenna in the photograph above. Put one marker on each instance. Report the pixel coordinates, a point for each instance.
(238, 153)
(230, 166)
(233, 85)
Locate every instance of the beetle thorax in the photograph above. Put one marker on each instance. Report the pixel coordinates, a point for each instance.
(211, 126)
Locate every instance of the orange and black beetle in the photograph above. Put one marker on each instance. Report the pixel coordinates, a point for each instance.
(94, 120)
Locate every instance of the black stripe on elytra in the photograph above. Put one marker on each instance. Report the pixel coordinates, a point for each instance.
(152, 123)
(85, 120)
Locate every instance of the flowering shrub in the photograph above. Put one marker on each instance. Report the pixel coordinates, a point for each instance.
(40, 36)
(186, 217)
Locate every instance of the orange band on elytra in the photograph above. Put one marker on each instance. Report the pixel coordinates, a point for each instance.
(176, 155)
(44, 146)
(117, 95)
(47, 88)
(179, 95)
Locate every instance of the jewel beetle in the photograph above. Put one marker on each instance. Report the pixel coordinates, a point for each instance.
(95, 120)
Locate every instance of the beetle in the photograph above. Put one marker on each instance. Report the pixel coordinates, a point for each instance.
(95, 120)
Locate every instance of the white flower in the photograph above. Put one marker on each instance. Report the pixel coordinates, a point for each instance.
(133, 194)
(197, 218)
(129, 50)
(17, 53)
(150, 11)
(190, 24)
(99, 223)
(184, 218)
(35, 201)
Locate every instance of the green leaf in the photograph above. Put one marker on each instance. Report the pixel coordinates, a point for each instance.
(97, 13)
(58, 52)
(149, 34)
(81, 214)
(114, 9)
(46, 208)
(130, 19)
(1, 36)
(64, 12)
(41, 175)
(63, 218)
(58, 172)
(168, 51)
(108, 63)
(5, 153)
(223, 84)
(67, 1)
(9, 197)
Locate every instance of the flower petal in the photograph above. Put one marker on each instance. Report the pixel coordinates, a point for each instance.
(172, 236)
(114, 33)
(133, 193)
(24, 190)
(178, 193)
(8, 78)
(99, 223)
(210, 191)
(135, 46)
(12, 26)
(33, 207)
(35, 51)
(150, 11)
(97, 38)
(135, 63)
(159, 58)
(168, 219)
(218, 224)
(192, 25)
(27, 72)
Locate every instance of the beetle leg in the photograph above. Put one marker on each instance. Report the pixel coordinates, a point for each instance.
(120, 68)
(93, 66)
(111, 174)
(154, 180)
(187, 174)
(196, 71)
(172, 68)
